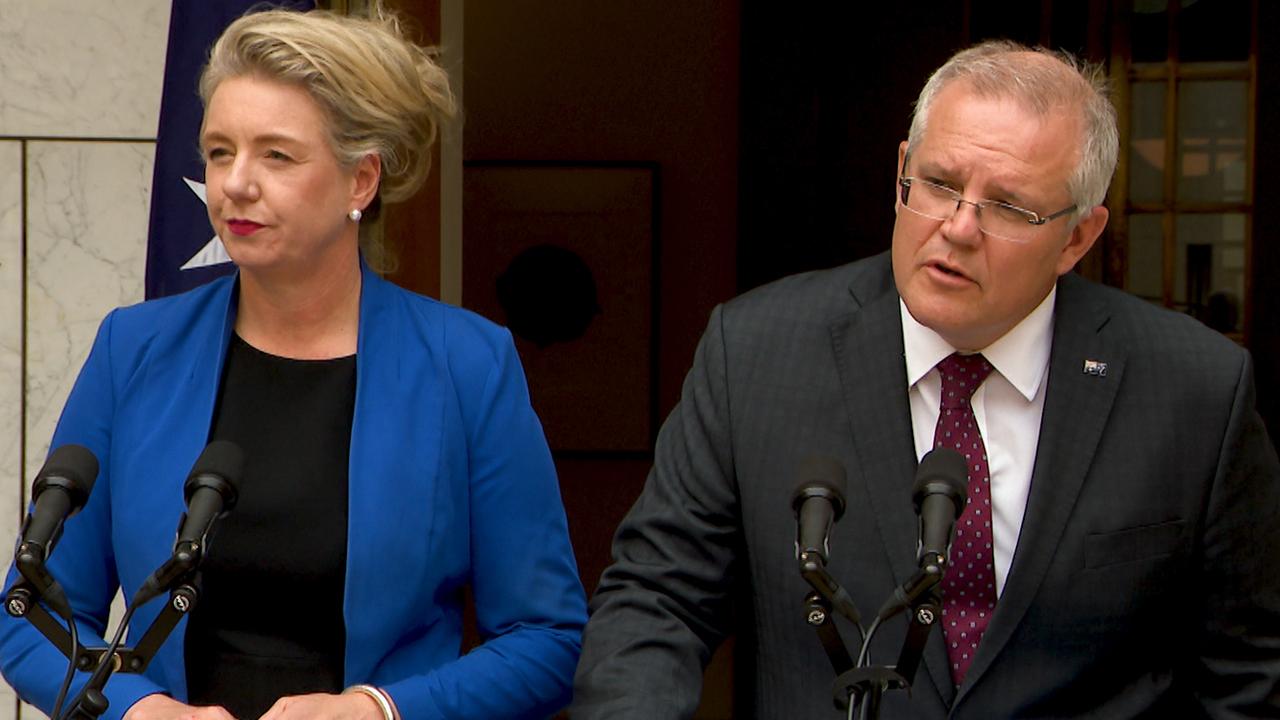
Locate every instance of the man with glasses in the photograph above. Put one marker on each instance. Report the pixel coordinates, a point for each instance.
(1113, 556)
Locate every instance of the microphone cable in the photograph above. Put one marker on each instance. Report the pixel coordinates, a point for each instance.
(71, 667)
(107, 658)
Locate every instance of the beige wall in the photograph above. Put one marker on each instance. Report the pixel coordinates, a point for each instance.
(79, 95)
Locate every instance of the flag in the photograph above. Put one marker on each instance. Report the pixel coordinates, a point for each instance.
(182, 250)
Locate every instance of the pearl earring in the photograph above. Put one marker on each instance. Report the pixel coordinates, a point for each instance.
(355, 215)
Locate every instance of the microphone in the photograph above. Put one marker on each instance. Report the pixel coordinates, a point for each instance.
(939, 497)
(211, 492)
(818, 503)
(60, 490)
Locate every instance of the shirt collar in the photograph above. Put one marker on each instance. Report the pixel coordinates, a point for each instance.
(1021, 355)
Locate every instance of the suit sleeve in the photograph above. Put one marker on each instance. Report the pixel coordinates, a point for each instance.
(1239, 669)
(530, 606)
(662, 606)
(83, 562)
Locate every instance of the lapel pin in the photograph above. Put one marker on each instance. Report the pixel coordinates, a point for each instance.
(1095, 368)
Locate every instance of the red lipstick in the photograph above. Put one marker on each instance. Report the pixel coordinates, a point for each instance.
(244, 227)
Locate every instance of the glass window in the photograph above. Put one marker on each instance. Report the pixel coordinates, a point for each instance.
(1146, 257)
(1146, 142)
(1210, 268)
(1212, 157)
(1187, 196)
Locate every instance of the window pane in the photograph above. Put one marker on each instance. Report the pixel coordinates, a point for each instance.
(1146, 258)
(1212, 157)
(1209, 280)
(1213, 30)
(1225, 68)
(1150, 39)
(1146, 146)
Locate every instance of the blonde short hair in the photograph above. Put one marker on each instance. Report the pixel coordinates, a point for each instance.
(381, 92)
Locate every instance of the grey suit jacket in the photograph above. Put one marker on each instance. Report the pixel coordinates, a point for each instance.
(1143, 583)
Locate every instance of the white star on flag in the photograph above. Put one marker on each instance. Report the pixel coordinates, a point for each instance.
(213, 253)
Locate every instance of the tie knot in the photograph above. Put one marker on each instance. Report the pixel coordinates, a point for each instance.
(961, 376)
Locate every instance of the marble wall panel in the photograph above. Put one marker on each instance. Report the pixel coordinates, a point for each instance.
(70, 68)
(87, 206)
(73, 70)
(10, 337)
(10, 358)
(86, 254)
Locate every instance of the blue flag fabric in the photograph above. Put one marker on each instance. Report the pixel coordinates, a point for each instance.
(182, 250)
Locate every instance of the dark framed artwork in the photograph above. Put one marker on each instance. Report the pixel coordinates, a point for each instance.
(564, 255)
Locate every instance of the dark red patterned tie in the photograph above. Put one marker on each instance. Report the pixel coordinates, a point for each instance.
(969, 588)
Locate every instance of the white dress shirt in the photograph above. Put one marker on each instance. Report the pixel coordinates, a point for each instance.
(1007, 407)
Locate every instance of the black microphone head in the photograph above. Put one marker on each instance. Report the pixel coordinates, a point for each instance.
(942, 471)
(820, 477)
(74, 469)
(218, 467)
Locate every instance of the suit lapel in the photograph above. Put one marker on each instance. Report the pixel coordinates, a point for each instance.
(869, 355)
(1075, 413)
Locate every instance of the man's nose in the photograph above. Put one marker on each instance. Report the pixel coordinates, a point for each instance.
(963, 226)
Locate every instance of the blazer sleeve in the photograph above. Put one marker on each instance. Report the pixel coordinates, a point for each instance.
(662, 606)
(83, 562)
(1239, 645)
(530, 606)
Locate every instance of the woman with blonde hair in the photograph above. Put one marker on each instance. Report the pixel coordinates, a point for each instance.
(392, 458)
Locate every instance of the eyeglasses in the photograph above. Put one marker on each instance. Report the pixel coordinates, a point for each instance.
(939, 202)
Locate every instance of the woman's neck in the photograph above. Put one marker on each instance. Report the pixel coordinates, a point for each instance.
(313, 317)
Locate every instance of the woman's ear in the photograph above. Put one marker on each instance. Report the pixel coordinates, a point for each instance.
(366, 177)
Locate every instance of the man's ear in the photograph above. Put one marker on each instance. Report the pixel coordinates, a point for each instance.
(902, 160)
(1083, 236)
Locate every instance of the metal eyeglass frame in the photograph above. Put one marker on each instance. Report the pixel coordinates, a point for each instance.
(1033, 218)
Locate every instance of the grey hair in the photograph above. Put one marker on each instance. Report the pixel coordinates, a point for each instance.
(1052, 81)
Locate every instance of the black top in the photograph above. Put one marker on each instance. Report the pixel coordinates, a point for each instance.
(269, 622)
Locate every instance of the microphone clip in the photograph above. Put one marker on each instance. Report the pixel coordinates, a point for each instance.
(814, 571)
(38, 581)
(186, 558)
(916, 590)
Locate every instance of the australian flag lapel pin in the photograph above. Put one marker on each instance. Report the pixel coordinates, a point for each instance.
(1095, 368)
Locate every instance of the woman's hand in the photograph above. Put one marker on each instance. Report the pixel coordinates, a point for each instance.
(347, 706)
(163, 707)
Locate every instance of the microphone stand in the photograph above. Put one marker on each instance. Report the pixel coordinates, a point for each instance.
(22, 600)
(865, 685)
(861, 684)
(818, 605)
(817, 612)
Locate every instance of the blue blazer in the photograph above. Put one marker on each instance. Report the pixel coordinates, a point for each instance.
(451, 483)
